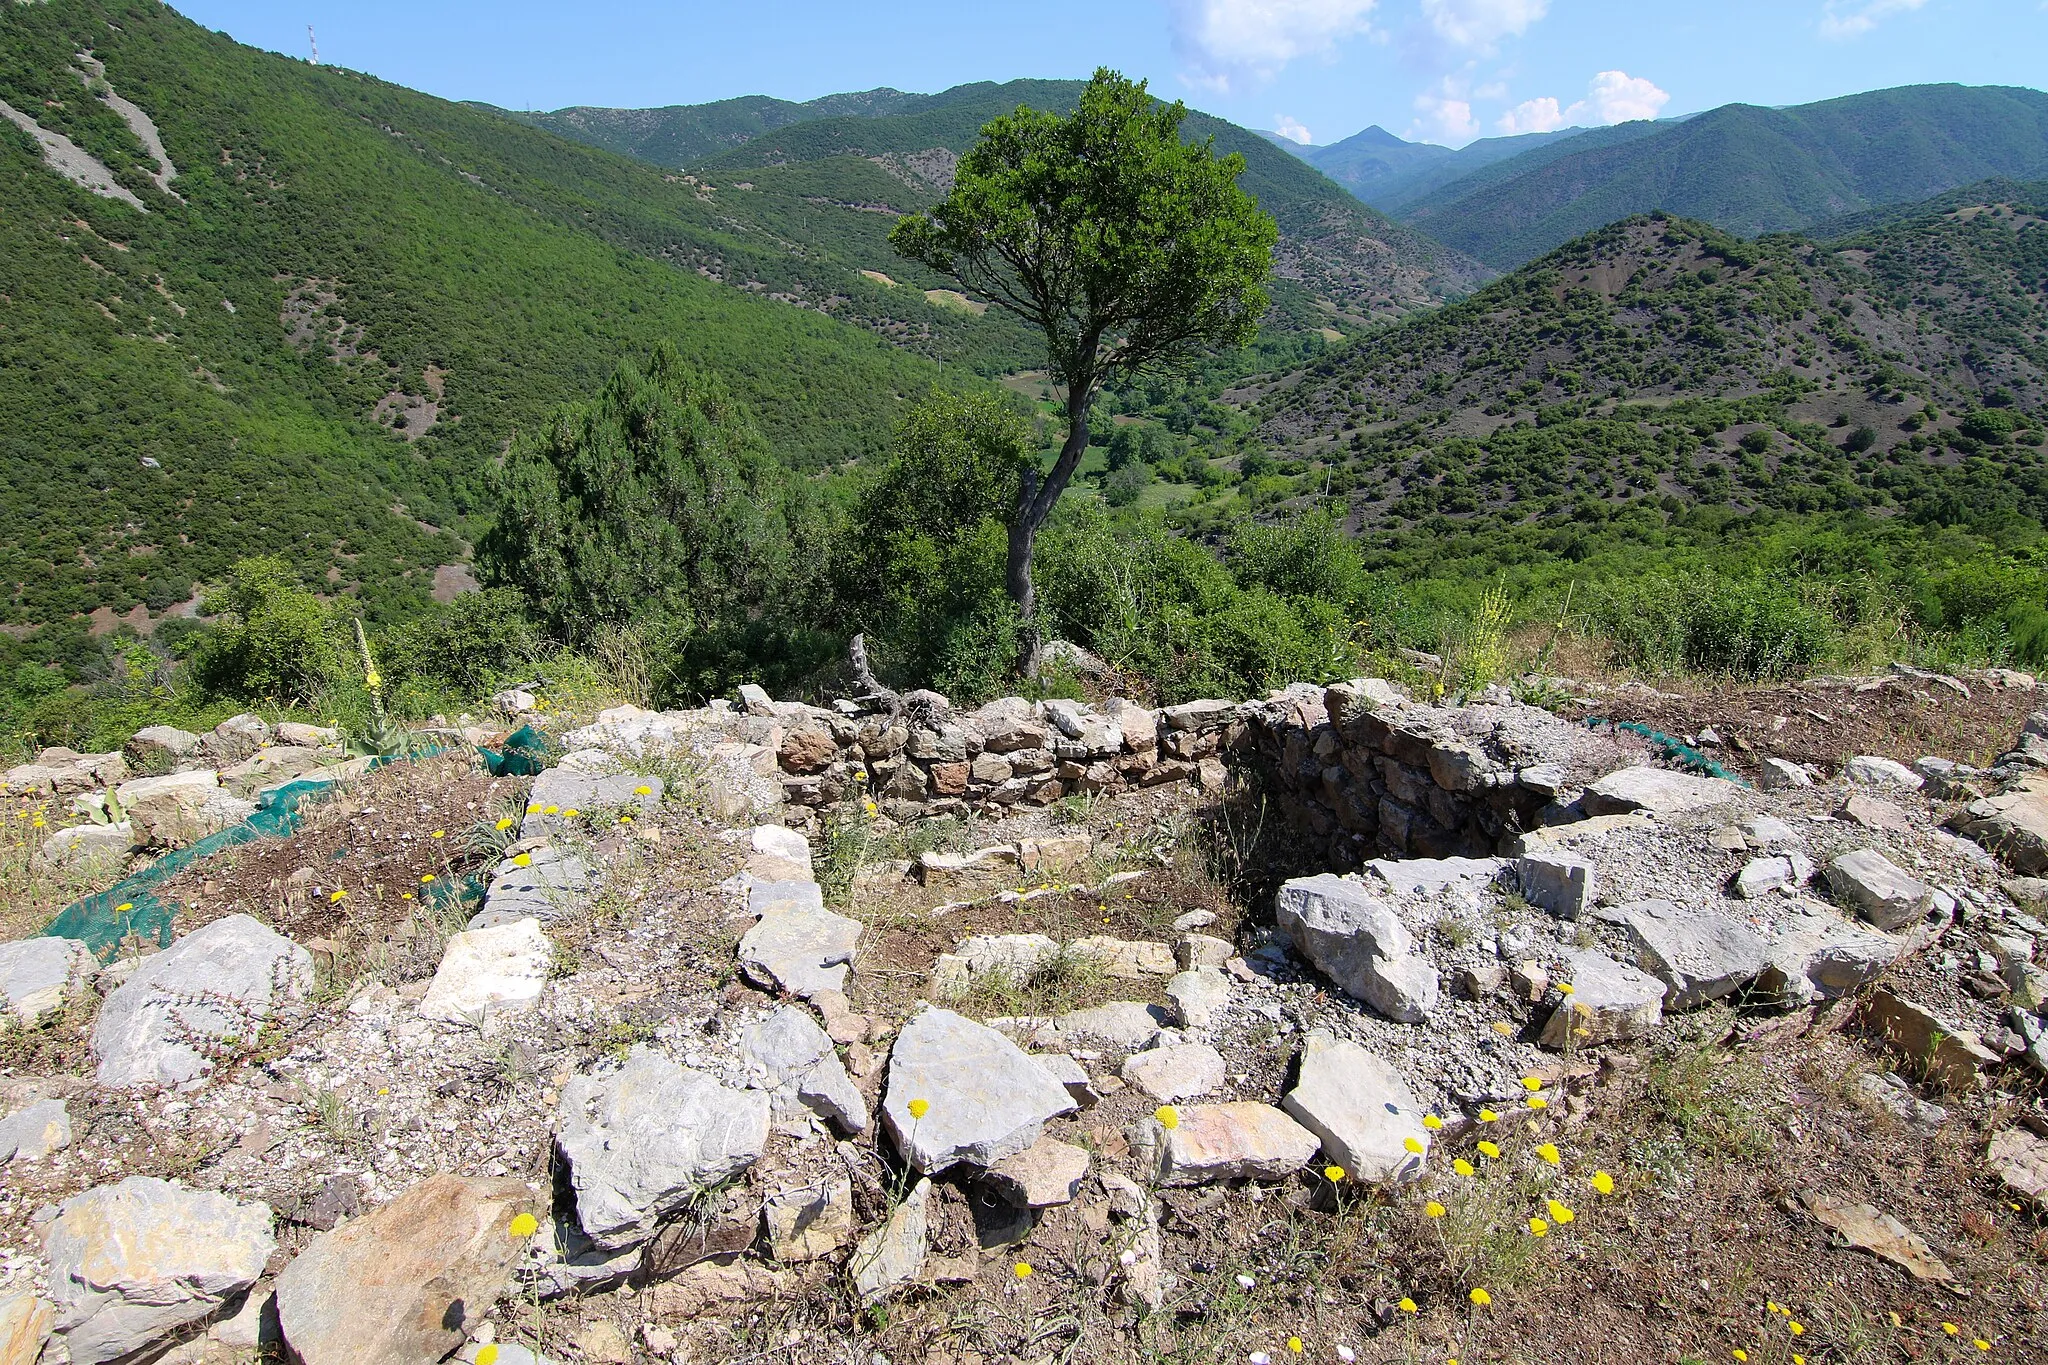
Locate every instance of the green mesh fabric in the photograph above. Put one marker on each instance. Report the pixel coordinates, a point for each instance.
(524, 755)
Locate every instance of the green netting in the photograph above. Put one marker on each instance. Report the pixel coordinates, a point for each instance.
(132, 906)
(524, 755)
(1672, 750)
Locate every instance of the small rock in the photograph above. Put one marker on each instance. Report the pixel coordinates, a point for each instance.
(33, 1133)
(1872, 813)
(1878, 889)
(601, 1341)
(1360, 943)
(1530, 979)
(807, 1223)
(1775, 774)
(132, 1263)
(1951, 1055)
(1561, 883)
(406, 1283)
(1042, 1176)
(1870, 771)
(1361, 1109)
(1608, 1002)
(1240, 1141)
(1781, 872)
(1728, 839)
(2019, 1157)
(1894, 1095)
(1175, 1073)
(1198, 996)
(1200, 950)
(893, 1254)
(1477, 983)
(1193, 920)
(1122, 959)
(37, 973)
(1771, 833)
(799, 946)
(803, 1073)
(490, 972)
(1063, 1068)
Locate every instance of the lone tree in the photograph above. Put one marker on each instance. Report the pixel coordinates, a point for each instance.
(1127, 247)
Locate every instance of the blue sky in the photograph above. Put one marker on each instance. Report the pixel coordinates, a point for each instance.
(1443, 70)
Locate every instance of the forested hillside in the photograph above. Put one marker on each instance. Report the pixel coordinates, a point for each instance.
(681, 135)
(1346, 264)
(1745, 169)
(318, 337)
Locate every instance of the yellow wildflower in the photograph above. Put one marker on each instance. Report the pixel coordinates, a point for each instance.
(1795, 1329)
(337, 896)
(124, 907)
(524, 1225)
(1559, 1214)
(551, 810)
(1603, 1182)
(571, 813)
(1432, 1122)
(1981, 1344)
(1950, 1328)
(1548, 1151)
(1462, 1166)
(1407, 1306)
(1488, 1116)
(1168, 1116)
(1294, 1345)
(438, 834)
(1538, 1102)
(1538, 1228)
(505, 824)
(1432, 1209)
(487, 1354)
(1740, 1354)
(1414, 1145)
(919, 1108)
(1564, 988)
(1480, 1298)
(426, 878)
(1333, 1174)
(1531, 1084)
(1488, 1149)
(522, 860)
(1022, 1270)
(643, 790)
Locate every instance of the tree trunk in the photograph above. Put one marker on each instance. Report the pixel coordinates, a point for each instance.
(1036, 497)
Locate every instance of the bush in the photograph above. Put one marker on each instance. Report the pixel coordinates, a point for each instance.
(467, 647)
(1749, 628)
(273, 641)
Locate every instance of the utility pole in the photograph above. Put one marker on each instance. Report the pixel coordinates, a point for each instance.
(315, 42)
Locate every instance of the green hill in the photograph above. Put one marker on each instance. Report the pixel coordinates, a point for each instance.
(1659, 365)
(1339, 262)
(202, 372)
(681, 135)
(1389, 173)
(1746, 170)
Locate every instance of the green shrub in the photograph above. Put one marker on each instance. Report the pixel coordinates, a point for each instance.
(272, 641)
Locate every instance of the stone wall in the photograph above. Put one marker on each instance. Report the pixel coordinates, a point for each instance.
(1368, 774)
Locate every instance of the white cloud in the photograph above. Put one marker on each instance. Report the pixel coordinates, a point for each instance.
(1482, 23)
(1291, 129)
(1445, 114)
(1611, 97)
(1230, 44)
(1843, 19)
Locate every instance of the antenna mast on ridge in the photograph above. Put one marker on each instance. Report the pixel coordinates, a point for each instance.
(315, 42)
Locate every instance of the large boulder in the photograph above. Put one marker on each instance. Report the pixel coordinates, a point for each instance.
(983, 1097)
(798, 946)
(90, 848)
(158, 748)
(134, 1262)
(37, 973)
(490, 972)
(209, 992)
(1701, 955)
(1361, 1109)
(1360, 943)
(2012, 824)
(405, 1284)
(648, 1138)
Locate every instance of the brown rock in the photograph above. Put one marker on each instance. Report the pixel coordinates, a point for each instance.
(807, 750)
(1042, 1176)
(406, 1283)
(24, 1325)
(1872, 813)
(950, 779)
(706, 1287)
(2018, 1157)
(1952, 1056)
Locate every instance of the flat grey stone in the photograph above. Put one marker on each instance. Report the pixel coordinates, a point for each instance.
(985, 1098)
(37, 973)
(1360, 943)
(1656, 791)
(1128, 1024)
(1198, 996)
(1044, 1175)
(33, 1133)
(1360, 1108)
(1817, 954)
(1191, 951)
(588, 793)
(1879, 889)
(1609, 1002)
(648, 1138)
(212, 988)
(1181, 1072)
(1062, 1067)
(1873, 813)
(550, 884)
(1559, 882)
(1775, 774)
(799, 946)
(1238, 1141)
(802, 1071)
(100, 846)
(1014, 957)
(1769, 832)
(1701, 955)
(893, 1254)
(1870, 771)
(1779, 872)
(134, 1262)
(1434, 876)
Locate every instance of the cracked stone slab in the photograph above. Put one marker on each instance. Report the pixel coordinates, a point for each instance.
(983, 1097)
(798, 946)
(1361, 1109)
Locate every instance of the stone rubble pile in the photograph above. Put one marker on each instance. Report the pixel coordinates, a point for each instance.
(751, 1142)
